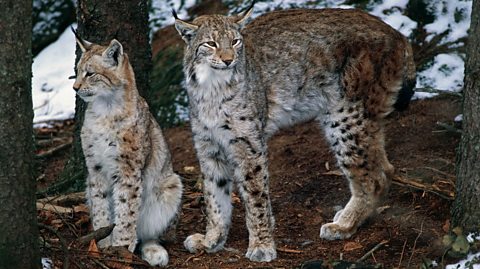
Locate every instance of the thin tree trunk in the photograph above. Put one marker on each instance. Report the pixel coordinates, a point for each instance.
(100, 21)
(18, 219)
(466, 208)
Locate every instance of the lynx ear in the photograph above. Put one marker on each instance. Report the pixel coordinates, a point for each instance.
(113, 52)
(83, 44)
(243, 18)
(185, 29)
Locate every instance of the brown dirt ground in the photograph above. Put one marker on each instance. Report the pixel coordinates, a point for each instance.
(305, 195)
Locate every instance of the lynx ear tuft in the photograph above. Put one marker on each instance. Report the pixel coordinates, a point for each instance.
(114, 52)
(185, 29)
(83, 44)
(242, 19)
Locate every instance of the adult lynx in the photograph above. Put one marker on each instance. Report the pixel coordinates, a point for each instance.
(130, 181)
(344, 68)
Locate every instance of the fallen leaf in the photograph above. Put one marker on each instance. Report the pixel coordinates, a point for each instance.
(93, 249)
(189, 169)
(446, 226)
(350, 246)
(81, 208)
(235, 199)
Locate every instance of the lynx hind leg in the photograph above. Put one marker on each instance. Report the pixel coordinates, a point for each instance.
(359, 148)
(158, 214)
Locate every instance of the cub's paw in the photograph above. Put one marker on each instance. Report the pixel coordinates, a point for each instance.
(194, 243)
(154, 254)
(333, 231)
(262, 253)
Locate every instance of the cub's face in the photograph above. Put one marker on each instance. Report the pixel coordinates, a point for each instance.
(214, 40)
(99, 70)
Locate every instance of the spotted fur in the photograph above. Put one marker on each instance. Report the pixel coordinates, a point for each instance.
(343, 68)
(130, 181)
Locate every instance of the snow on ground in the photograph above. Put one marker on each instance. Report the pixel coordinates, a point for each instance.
(446, 73)
(161, 14)
(53, 97)
(394, 17)
(471, 262)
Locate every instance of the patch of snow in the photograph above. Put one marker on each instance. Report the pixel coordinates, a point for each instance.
(47, 263)
(423, 95)
(446, 73)
(459, 118)
(52, 93)
(471, 262)
(470, 237)
(161, 14)
(453, 16)
(391, 11)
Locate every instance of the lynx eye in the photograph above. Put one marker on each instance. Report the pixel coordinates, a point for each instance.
(236, 42)
(211, 44)
(89, 74)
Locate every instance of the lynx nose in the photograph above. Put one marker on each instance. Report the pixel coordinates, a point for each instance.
(227, 62)
(75, 88)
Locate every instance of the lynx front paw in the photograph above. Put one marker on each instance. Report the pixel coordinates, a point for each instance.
(262, 253)
(334, 231)
(154, 254)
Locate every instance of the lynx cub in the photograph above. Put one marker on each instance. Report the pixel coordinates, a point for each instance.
(343, 68)
(130, 178)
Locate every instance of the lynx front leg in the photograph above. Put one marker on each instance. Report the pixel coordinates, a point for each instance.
(252, 175)
(127, 189)
(217, 187)
(98, 193)
(359, 148)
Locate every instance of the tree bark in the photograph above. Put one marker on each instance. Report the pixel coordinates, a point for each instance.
(466, 207)
(100, 21)
(18, 219)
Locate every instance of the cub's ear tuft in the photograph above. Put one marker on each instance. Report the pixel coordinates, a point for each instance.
(83, 44)
(185, 29)
(114, 52)
(242, 19)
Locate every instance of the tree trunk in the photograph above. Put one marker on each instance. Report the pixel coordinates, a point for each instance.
(18, 219)
(466, 207)
(100, 21)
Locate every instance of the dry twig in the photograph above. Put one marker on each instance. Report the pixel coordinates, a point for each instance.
(370, 252)
(97, 235)
(415, 244)
(53, 151)
(287, 250)
(445, 194)
(403, 251)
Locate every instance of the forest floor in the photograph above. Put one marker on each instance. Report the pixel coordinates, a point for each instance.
(306, 190)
